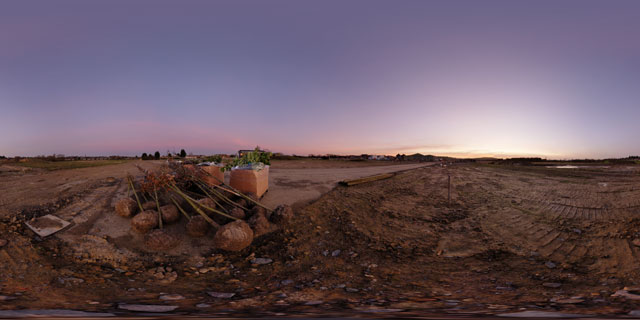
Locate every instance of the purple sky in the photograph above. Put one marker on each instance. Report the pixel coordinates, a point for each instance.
(558, 79)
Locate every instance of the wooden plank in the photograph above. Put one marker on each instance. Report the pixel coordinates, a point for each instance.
(366, 179)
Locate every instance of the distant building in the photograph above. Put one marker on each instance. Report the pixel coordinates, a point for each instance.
(243, 152)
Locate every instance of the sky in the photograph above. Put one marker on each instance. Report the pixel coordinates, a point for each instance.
(557, 79)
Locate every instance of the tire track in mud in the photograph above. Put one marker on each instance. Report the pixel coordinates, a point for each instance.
(576, 223)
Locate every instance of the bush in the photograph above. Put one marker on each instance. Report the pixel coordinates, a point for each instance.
(157, 155)
(183, 153)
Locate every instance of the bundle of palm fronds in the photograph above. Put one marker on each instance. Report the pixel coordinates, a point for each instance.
(162, 196)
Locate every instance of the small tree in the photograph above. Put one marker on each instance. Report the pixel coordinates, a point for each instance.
(183, 153)
(157, 155)
(144, 156)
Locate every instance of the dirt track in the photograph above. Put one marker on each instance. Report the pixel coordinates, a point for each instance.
(514, 238)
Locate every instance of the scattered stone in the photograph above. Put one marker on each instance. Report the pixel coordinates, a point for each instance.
(313, 302)
(286, 282)
(170, 213)
(221, 295)
(552, 284)
(550, 265)
(568, 301)
(578, 231)
(233, 236)
(540, 314)
(51, 313)
(636, 242)
(160, 240)
(352, 290)
(282, 214)
(197, 226)
(171, 297)
(340, 286)
(126, 207)
(634, 313)
(336, 253)
(261, 261)
(203, 305)
(624, 293)
(70, 280)
(3, 242)
(7, 298)
(145, 221)
(146, 307)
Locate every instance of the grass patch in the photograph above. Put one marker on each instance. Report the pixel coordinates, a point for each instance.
(64, 165)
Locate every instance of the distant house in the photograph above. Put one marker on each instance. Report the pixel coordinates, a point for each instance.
(378, 157)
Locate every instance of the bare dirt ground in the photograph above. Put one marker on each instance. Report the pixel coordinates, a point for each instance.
(513, 239)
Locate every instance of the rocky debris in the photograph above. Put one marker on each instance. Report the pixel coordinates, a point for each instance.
(282, 214)
(164, 275)
(572, 300)
(550, 265)
(207, 202)
(636, 242)
(160, 240)
(3, 242)
(170, 213)
(351, 290)
(202, 305)
(313, 303)
(145, 221)
(233, 236)
(260, 224)
(171, 297)
(126, 207)
(539, 314)
(197, 226)
(7, 298)
(146, 307)
(52, 313)
(261, 261)
(221, 295)
(286, 282)
(552, 284)
(336, 253)
(70, 281)
(634, 313)
(628, 293)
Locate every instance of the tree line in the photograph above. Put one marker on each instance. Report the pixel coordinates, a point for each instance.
(156, 155)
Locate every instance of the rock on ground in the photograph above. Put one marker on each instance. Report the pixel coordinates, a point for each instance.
(146, 307)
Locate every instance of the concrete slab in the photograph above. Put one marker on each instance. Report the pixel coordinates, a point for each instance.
(47, 225)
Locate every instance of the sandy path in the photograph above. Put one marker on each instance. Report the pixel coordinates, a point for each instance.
(301, 186)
